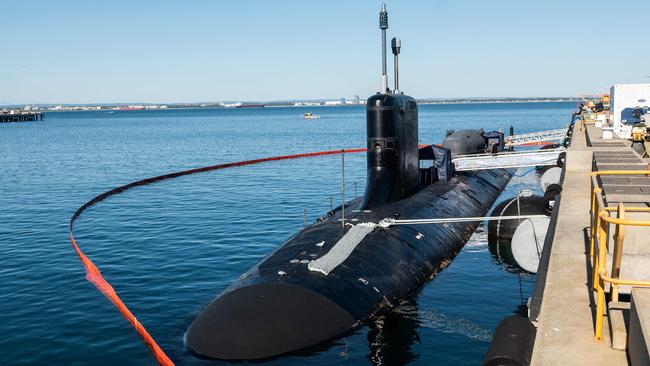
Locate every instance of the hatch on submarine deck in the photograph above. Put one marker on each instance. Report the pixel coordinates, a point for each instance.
(282, 305)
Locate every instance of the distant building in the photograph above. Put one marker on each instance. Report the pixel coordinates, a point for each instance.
(232, 105)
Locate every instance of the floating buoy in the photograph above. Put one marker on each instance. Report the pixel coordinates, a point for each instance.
(528, 242)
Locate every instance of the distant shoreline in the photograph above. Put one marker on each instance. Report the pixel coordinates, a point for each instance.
(244, 105)
(501, 101)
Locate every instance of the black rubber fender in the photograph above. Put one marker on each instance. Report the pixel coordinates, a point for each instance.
(561, 159)
(512, 344)
(551, 193)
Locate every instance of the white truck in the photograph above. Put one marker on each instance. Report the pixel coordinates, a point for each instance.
(624, 99)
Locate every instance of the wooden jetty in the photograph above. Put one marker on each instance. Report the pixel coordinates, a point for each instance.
(21, 116)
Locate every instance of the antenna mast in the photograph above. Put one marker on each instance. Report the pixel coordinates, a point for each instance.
(396, 44)
(383, 25)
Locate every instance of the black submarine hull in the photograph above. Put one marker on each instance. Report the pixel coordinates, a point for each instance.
(280, 305)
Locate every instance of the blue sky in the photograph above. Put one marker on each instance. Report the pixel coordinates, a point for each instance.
(185, 51)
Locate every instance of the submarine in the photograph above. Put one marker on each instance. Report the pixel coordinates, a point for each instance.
(346, 268)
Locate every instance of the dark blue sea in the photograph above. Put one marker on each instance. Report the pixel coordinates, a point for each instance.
(169, 248)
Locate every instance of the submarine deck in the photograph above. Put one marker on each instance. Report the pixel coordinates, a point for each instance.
(566, 319)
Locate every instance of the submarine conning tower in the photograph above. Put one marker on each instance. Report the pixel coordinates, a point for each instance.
(393, 163)
(392, 137)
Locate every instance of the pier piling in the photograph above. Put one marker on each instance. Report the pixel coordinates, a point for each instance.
(20, 116)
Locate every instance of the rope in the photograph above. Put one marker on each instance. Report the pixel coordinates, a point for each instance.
(539, 253)
(390, 222)
(93, 274)
(501, 214)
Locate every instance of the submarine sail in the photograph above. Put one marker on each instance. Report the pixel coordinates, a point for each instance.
(330, 278)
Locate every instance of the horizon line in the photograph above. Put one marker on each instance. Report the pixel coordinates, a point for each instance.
(278, 101)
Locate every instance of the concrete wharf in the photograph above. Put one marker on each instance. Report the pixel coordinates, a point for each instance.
(564, 302)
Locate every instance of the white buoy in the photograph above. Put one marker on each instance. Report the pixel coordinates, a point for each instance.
(551, 176)
(528, 242)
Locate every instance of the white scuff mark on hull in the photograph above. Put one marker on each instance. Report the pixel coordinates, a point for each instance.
(342, 249)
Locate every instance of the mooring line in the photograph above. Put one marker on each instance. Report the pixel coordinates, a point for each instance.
(390, 222)
(93, 274)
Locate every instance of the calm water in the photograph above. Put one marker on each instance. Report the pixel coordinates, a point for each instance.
(171, 247)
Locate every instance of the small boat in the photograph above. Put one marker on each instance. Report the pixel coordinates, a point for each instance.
(310, 115)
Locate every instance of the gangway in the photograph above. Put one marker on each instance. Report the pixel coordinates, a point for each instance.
(508, 159)
(535, 137)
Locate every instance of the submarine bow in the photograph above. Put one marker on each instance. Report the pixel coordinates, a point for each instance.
(266, 319)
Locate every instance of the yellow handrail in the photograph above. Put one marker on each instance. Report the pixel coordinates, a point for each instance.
(612, 220)
(628, 209)
(619, 281)
(619, 172)
(599, 232)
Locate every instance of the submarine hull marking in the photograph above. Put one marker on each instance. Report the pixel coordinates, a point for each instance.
(342, 249)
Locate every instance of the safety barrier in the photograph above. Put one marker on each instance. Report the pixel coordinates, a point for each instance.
(600, 221)
(93, 274)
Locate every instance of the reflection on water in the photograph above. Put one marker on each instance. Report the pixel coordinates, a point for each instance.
(444, 323)
(501, 252)
(477, 243)
(391, 336)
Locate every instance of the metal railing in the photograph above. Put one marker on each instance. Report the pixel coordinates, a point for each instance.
(598, 236)
(533, 137)
(507, 159)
